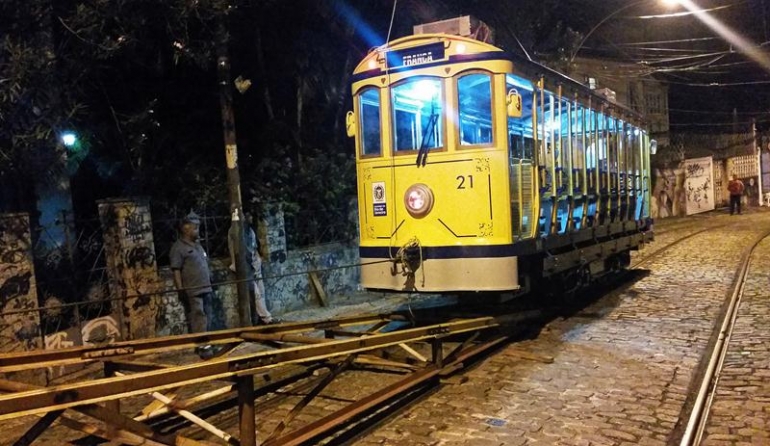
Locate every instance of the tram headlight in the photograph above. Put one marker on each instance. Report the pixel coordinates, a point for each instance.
(418, 200)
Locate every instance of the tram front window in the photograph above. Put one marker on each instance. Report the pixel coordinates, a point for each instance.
(475, 103)
(370, 122)
(417, 120)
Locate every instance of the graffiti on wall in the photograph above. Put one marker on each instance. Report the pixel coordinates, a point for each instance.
(699, 185)
(20, 330)
(94, 333)
(668, 194)
(131, 261)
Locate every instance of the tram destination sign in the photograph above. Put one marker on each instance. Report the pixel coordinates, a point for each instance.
(416, 56)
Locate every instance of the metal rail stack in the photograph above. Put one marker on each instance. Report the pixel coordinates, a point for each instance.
(335, 345)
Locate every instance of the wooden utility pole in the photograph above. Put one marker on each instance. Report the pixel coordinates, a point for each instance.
(233, 176)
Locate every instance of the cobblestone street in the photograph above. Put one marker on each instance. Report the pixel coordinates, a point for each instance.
(618, 372)
(741, 411)
(622, 367)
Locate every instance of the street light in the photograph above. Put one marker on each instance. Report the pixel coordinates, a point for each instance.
(69, 139)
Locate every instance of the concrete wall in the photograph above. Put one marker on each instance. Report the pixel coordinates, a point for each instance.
(669, 189)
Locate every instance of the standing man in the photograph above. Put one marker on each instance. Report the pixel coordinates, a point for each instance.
(192, 279)
(254, 261)
(735, 186)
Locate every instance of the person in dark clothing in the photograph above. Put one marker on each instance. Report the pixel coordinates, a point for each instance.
(735, 186)
(192, 280)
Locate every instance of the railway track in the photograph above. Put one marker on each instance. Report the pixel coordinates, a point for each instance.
(330, 347)
(696, 421)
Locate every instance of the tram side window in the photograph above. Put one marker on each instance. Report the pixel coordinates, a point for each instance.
(417, 119)
(520, 137)
(475, 107)
(369, 107)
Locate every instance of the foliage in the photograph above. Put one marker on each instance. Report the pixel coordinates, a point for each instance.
(137, 81)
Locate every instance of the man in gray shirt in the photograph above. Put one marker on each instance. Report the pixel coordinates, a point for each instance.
(192, 279)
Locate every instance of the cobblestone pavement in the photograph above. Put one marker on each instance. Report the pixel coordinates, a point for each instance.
(740, 414)
(620, 375)
(621, 367)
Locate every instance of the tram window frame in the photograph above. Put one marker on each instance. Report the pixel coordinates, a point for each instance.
(520, 131)
(441, 119)
(363, 121)
(460, 143)
(578, 149)
(592, 150)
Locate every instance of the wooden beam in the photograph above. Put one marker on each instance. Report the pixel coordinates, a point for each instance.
(316, 289)
(157, 408)
(198, 421)
(413, 352)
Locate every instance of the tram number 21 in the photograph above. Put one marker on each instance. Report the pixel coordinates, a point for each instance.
(464, 181)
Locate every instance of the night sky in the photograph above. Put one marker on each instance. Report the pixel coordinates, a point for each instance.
(709, 78)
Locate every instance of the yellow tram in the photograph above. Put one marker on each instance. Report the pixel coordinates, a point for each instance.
(481, 171)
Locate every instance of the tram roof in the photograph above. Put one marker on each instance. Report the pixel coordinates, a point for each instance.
(426, 50)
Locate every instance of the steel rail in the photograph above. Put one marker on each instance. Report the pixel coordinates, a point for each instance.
(696, 423)
(114, 388)
(399, 388)
(651, 257)
(14, 362)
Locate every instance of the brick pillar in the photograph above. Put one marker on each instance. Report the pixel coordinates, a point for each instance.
(18, 291)
(131, 267)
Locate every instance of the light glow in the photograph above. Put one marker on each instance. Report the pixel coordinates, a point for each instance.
(69, 139)
(743, 45)
(425, 90)
(418, 200)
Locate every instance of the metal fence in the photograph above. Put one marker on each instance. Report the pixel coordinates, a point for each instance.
(70, 267)
(70, 264)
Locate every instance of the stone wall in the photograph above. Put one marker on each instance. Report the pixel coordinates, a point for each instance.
(151, 307)
(131, 267)
(287, 286)
(18, 331)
